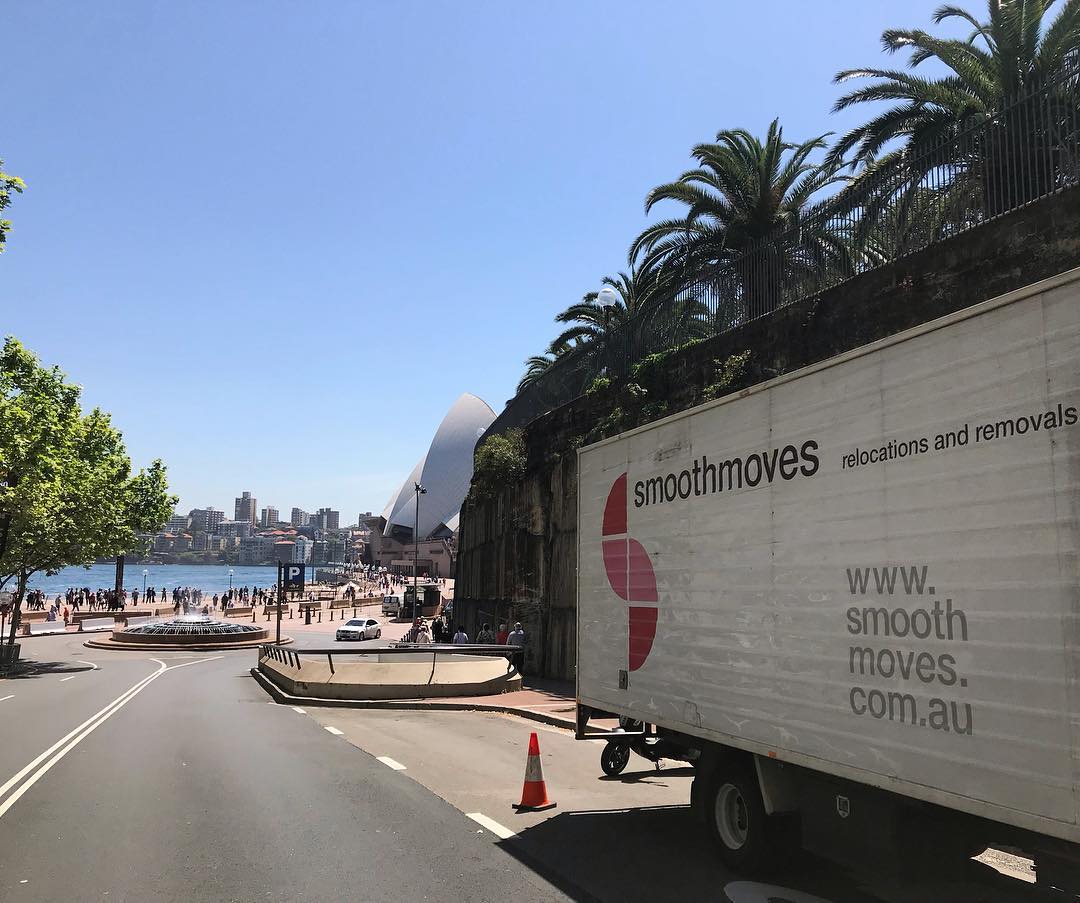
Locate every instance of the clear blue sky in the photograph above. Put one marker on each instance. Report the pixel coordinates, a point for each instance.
(277, 240)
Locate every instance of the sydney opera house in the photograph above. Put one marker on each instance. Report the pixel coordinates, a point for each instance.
(445, 472)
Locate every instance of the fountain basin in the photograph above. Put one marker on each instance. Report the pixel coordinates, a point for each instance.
(190, 632)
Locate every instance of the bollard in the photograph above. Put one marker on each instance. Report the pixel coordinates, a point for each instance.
(320, 615)
(253, 615)
(354, 611)
(290, 614)
(307, 616)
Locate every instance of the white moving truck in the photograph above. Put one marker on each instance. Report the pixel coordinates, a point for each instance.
(850, 595)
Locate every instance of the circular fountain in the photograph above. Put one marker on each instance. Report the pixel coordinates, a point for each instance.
(197, 632)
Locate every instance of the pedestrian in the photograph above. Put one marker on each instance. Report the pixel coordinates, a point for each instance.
(423, 635)
(67, 615)
(517, 638)
(414, 632)
(485, 637)
(461, 638)
(500, 637)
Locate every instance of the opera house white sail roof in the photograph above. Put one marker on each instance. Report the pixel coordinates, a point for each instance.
(445, 471)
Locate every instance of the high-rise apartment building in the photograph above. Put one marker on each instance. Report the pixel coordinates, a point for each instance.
(326, 519)
(246, 508)
(269, 516)
(300, 518)
(205, 520)
(177, 523)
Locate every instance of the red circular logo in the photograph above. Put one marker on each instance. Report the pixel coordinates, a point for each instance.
(630, 573)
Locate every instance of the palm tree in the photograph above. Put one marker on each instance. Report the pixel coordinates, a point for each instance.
(539, 364)
(535, 367)
(748, 217)
(953, 133)
(648, 315)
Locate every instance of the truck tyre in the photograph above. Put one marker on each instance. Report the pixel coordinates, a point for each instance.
(614, 758)
(748, 839)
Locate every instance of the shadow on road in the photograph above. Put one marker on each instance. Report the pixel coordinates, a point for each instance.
(649, 775)
(662, 853)
(27, 669)
(651, 854)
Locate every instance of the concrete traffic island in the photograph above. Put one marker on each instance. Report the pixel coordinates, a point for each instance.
(386, 674)
(189, 633)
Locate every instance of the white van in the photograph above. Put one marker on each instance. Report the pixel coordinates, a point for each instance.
(391, 606)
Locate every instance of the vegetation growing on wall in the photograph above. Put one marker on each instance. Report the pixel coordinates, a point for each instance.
(760, 220)
(499, 461)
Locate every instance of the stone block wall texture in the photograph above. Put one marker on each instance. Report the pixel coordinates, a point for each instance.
(517, 552)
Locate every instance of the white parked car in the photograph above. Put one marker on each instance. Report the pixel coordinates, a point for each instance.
(359, 629)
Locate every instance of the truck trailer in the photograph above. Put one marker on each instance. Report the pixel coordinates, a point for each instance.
(849, 596)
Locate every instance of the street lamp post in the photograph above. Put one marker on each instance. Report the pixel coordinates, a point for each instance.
(607, 300)
(144, 573)
(230, 583)
(417, 611)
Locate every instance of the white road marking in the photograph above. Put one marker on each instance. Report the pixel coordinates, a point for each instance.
(333, 730)
(79, 734)
(91, 664)
(493, 826)
(85, 728)
(297, 708)
(2, 698)
(73, 676)
(390, 763)
(213, 658)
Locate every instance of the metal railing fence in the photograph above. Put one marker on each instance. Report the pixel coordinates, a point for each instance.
(995, 162)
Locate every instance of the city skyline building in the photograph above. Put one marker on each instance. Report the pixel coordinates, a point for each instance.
(269, 516)
(326, 519)
(205, 520)
(246, 508)
(299, 518)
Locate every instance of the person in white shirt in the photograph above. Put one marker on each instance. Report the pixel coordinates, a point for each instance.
(461, 637)
(517, 638)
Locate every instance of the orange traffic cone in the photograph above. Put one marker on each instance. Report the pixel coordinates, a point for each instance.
(534, 794)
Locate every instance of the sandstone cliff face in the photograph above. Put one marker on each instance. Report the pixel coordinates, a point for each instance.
(517, 551)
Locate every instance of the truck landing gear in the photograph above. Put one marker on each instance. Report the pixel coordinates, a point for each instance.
(614, 758)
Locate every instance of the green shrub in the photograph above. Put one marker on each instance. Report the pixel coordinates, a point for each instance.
(598, 385)
(725, 373)
(654, 411)
(499, 461)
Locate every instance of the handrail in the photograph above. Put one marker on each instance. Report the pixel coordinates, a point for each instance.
(410, 649)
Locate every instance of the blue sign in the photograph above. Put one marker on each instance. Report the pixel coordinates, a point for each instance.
(292, 576)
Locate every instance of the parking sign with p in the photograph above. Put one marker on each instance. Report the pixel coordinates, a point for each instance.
(293, 577)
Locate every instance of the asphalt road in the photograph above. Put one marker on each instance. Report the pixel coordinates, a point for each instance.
(196, 788)
(131, 776)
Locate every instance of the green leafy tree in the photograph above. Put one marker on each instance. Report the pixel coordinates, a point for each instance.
(67, 492)
(950, 130)
(746, 195)
(9, 187)
(499, 461)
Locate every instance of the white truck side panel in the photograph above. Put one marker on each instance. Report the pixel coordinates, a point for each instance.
(911, 623)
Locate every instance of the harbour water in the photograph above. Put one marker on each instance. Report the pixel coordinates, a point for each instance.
(209, 578)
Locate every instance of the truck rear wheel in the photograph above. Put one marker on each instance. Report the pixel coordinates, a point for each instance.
(748, 839)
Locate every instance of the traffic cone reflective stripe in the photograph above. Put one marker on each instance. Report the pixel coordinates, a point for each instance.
(534, 793)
